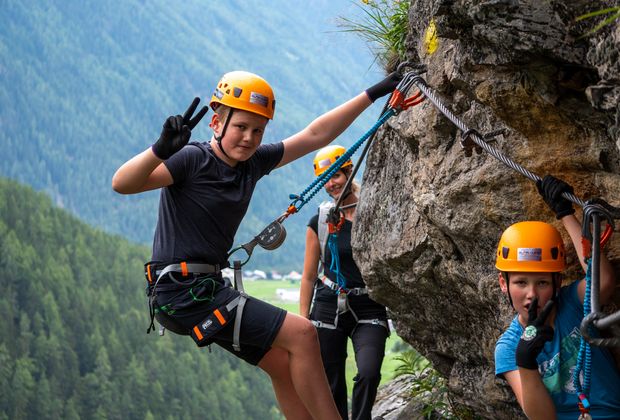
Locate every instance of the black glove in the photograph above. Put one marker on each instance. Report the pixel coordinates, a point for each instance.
(535, 335)
(177, 130)
(551, 189)
(384, 87)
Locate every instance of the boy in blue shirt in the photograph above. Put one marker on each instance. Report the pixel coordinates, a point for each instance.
(538, 352)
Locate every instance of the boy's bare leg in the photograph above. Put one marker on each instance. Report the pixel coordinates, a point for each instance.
(276, 364)
(299, 338)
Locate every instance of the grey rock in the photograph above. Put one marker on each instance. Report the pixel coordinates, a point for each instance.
(429, 217)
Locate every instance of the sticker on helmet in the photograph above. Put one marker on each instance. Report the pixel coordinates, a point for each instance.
(529, 254)
(218, 93)
(325, 163)
(257, 98)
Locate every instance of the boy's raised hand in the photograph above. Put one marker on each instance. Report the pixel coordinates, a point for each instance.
(551, 189)
(177, 130)
(535, 335)
(384, 87)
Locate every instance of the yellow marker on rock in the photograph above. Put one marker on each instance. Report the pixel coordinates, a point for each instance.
(431, 42)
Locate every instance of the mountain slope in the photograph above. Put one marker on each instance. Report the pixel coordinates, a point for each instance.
(72, 336)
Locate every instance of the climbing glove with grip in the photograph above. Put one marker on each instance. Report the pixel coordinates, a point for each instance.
(551, 189)
(177, 130)
(384, 87)
(535, 335)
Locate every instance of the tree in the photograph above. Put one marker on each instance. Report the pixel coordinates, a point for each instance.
(22, 389)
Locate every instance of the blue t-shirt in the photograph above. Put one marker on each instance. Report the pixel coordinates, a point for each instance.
(199, 214)
(558, 359)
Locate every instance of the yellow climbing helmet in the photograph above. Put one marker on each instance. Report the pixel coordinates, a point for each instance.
(531, 247)
(328, 155)
(246, 91)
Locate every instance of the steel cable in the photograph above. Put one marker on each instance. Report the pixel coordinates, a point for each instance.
(477, 138)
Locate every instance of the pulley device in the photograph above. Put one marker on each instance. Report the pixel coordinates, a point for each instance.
(270, 238)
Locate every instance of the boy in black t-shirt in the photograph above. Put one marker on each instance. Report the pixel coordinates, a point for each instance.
(205, 192)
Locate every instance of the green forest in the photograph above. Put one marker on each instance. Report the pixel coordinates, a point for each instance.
(73, 342)
(85, 85)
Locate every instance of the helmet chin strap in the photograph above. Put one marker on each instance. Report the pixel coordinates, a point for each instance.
(505, 274)
(347, 193)
(349, 189)
(221, 136)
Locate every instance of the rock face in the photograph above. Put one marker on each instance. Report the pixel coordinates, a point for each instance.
(429, 217)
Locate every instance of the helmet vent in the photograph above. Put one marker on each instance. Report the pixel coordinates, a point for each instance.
(237, 92)
(505, 251)
(555, 252)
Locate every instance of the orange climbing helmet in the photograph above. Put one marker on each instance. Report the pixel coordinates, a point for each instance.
(531, 247)
(327, 156)
(246, 91)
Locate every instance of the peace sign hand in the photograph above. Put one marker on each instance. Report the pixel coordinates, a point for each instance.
(535, 335)
(177, 130)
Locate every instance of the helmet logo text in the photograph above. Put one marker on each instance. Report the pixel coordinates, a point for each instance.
(529, 254)
(257, 98)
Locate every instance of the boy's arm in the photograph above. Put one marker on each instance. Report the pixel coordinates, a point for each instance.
(308, 277)
(145, 171)
(526, 381)
(551, 189)
(531, 393)
(323, 130)
(607, 278)
(320, 132)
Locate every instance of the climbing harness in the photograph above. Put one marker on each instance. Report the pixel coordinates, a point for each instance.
(326, 233)
(194, 276)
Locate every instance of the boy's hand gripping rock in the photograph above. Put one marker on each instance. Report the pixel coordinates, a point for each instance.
(177, 130)
(551, 189)
(535, 335)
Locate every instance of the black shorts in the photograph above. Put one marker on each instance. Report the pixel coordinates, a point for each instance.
(260, 322)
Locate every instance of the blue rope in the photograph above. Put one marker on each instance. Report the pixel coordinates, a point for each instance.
(584, 358)
(321, 180)
(334, 267)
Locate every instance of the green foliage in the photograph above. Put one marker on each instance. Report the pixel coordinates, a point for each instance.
(428, 386)
(72, 336)
(613, 15)
(384, 24)
(410, 363)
